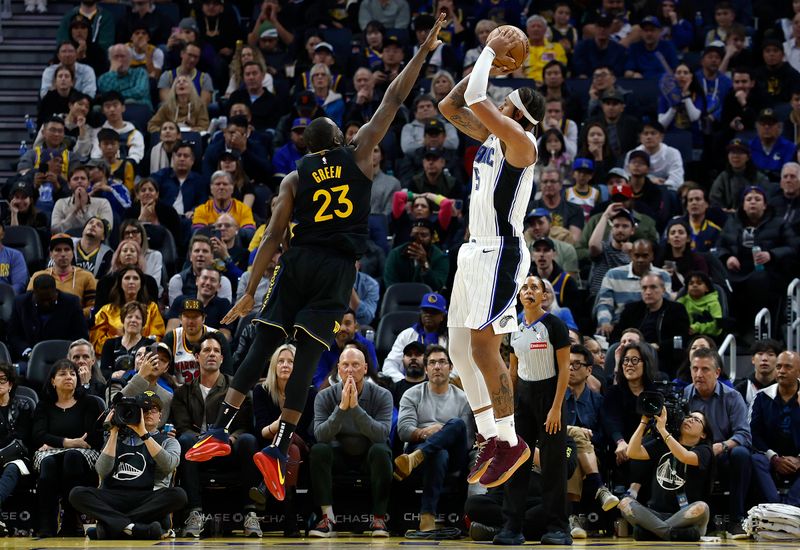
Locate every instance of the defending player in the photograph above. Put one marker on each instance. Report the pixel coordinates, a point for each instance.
(328, 196)
(495, 261)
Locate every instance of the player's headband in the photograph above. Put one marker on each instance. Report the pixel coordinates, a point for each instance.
(517, 101)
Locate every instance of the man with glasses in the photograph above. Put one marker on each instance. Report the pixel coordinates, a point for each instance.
(583, 419)
(726, 415)
(436, 424)
(135, 497)
(775, 425)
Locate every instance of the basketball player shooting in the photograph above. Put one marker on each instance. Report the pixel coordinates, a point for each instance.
(329, 198)
(493, 264)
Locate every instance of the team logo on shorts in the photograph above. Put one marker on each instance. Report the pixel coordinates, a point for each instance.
(505, 320)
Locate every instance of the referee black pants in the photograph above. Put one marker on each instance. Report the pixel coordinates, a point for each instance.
(116, 508)
(533, 401)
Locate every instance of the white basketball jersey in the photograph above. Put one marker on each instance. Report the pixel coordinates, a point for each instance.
(186, 366)
(500, 192)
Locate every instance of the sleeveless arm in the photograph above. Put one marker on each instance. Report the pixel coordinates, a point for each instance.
(454, 109)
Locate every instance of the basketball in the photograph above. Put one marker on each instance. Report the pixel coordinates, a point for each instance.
(519, 51)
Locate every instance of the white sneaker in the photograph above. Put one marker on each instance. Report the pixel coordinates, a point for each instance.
(194, 525)
(252, 527)
(575, 529)
(606, 498)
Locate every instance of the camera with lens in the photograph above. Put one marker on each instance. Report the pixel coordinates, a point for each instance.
(666, 395)
(127, 411)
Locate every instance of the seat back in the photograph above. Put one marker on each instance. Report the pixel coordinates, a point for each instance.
(43, 356)
(4, 353)
(403, 297)
(158, 238)
(6, 302)
(30, 393)
(390, 326)
(25, 239)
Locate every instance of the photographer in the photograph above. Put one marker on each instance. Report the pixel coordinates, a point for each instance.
(135, 469)
(419, 260)
(681, 480)
(150, 373)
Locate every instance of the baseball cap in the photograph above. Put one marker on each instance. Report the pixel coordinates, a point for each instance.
(750, 189)
(231, 153)
(148, 399)
(21, 186)
(715, 46)
(324, 46)
(392, 40)
(547, 241)
(61, 238)
(432, 300)
(270, 32)
(300, 122)
(434, 126)
(619, 172)
(654, 124)
(771, 41)
(539, 213)
(767, 115)
(738, 145)
(305, 100)
(189, 24)
(583, 164)
(639, 154)
(612, 94)
(624, 213)
(433, 152)
(625, 191)
(423, 222)
(414, 346)
(605, 20)
(650, 21)
(166, 349)
(192, 304)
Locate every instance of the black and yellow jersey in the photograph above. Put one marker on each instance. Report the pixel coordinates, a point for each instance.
(332, 202)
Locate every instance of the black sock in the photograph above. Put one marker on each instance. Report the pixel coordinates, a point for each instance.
(284, 436)
(227, 413)
(592, 483)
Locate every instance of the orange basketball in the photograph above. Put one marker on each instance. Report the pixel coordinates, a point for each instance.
(519, 51)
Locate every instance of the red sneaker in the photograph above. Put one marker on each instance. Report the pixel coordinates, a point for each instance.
(272, 465)
(506, 461)
(486, 450)
(212, 443)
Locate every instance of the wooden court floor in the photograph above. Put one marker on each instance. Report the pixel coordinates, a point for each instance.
(356, 543)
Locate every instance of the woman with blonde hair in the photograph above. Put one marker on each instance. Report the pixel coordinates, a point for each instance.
(182, 106)
(268, 399)
(441, 84)
(245, 54)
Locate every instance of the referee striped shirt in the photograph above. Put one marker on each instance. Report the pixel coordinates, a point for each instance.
(535, 346)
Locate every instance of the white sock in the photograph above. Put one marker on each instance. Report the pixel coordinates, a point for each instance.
(486, 424)
(505, 430)
(128, 529)
(328, 511)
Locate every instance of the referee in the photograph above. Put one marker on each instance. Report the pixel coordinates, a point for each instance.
(540, 371)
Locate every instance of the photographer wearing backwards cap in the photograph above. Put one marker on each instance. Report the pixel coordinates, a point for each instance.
(136, 467)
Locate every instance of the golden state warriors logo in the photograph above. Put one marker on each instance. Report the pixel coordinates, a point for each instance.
(431, 299)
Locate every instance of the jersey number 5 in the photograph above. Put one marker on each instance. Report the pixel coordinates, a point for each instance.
(344, 206)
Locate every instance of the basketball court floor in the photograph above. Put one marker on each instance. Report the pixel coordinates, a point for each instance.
(358, 543)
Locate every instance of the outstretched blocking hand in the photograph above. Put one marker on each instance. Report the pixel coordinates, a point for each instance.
(240, 309)
(432, 40)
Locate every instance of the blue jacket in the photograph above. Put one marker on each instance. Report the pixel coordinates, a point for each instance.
(782, 152)
(13, 270)
(586, 412)
(194, 190)
(284, 161)
(330, 358)
(588, 57)
(766, 422)
(643, 61)
(255, 159)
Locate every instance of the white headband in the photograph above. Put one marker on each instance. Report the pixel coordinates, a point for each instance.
(517, 102)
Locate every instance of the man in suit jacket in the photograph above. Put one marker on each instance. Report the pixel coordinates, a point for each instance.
(44, 313)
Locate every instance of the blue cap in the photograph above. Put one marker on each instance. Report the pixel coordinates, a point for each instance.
(583, 164)
(432, 300)
(650, 20)
(539, 213)
(300, 122)
(750, 188)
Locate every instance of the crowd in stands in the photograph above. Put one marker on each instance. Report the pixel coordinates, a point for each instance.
(665, 215)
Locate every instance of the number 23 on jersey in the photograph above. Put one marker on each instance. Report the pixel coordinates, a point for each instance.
(342, 208)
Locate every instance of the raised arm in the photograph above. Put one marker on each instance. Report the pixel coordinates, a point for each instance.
(373, 132)
(273, 237)
(454, 108)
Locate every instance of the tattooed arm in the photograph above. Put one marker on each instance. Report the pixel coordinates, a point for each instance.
(454, 108)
